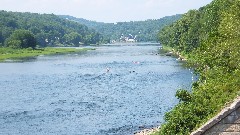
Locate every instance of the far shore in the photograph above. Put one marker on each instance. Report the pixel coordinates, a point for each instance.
(9, 54)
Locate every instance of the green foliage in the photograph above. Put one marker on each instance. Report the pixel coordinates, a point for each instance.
(21, 39)
(208, 98)
(15, 44)
(210, 36)
(144, 30)
(16, 54)
(48, 29)
(183, 95)
(72, 38)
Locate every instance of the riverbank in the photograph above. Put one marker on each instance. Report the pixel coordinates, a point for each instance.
(16, 54)
(148, 131)
(170, 51)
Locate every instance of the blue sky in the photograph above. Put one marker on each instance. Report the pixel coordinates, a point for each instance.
(105, 10)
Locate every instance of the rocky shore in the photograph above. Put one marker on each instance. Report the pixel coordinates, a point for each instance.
(168, 51)
(147, 131)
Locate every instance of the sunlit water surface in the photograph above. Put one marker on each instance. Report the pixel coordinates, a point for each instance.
(74, 94)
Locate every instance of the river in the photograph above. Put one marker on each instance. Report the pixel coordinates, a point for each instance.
(113, 90)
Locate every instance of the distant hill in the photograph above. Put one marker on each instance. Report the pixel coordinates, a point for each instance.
(138, 30)
(49, 29)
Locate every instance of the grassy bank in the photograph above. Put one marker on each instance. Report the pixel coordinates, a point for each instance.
(15, 54)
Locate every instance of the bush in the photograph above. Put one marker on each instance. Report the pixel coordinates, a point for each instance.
(21, 39)
(216, 58)
(183, 95)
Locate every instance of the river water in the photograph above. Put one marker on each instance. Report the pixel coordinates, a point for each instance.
(75, 94)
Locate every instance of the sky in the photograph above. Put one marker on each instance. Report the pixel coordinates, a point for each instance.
(109, 11)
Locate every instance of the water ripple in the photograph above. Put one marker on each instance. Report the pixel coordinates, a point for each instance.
(76, 94)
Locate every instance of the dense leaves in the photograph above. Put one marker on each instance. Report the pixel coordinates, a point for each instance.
(210, 37)
(21, 39)
(143, 30)
(183, 95)
(48, 29)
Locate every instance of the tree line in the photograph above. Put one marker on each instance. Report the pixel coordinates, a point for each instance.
(209, 37)
(142, 31)
(21, 29)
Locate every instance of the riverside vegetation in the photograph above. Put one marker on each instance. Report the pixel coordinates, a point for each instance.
(31, 30)
(28, 35)
(22, 44)
(210, 38)
(17, 54)
(48, 29)
(142, 31)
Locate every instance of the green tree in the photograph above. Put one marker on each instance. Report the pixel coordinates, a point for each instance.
(72, 38)
(21, 39)
(210, 37)
(48, 29)
(144, 30)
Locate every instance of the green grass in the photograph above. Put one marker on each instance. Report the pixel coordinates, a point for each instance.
(16, 54)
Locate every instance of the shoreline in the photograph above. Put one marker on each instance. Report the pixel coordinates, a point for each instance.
(147, 131)
(169, 51)
(9, 54)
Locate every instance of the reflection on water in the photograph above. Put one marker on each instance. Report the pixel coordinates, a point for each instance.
(75, 94)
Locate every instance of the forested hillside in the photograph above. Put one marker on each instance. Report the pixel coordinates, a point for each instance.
(48, 29)
(141, 31)
(209, 37)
